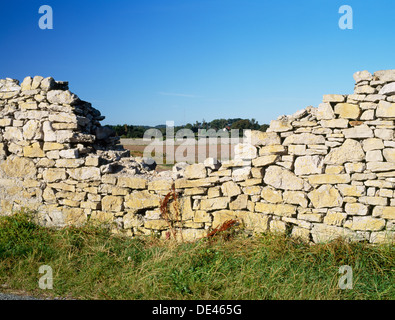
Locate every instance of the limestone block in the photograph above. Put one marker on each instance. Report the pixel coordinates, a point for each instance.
(259, 138)
(240, 174)
(329, 178)
(380, 166)
(389, 154)
(374, 155)
(69, 163)
(333, 98)
(382, 237)
(295, 197)
(112, 203)
(281, 178)
(221, 216)
(356, 209)
(347, 110)
(365, 89)
(185, 183)
(13, 134)
(325, 112)
(385, 110)
(245, 151)
(285, 210)
(230, 189)
(239, 203)
(365, 224)
(324, 233)
(156, 224)
(265, 160)
(18, 167)
(335, 218)
(280, 126)
(325, 196)
(195, 171)
(385, 134)
(142, 200)
(304, 138)
(26, 84)
(362, 76)
(350, 151)
(272, 149)
(160, 185)
(307, 165)
(359, 132)
(351, 190)
(61, 97)
(85, 173)
(34, 151)
(334, 123)
(374, 201)
(132, 182)
(5, 122)
(388, 89)
(384, 212)
(214, 204)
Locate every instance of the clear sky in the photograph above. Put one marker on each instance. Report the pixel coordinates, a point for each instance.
(150, 61)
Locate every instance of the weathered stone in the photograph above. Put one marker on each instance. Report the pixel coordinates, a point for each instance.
(356, 209)
(385, 109)
(350, 151)
(362, 76)
(214, 204)
(13, 134)
(304, 138)
(265, 160)
(142, 200)
(280, 126)
(239, 203)
(309, 165)
(112, 203)
(324, 233)
(285, 210)
(61, 97)
(18, 167)
(380, 166)
(325, 112)
(230, 189)
(325, 197)
(329, 178)
(295, 197)
(221, 216)
(271, 195)
(195, 171)
(351, 191)
(34, 151)
(364, 89)
(272, 149)
(240, 174)
(389, 154)
(259, 138)
(335, 218)
(245, 151)
(160, 185)
(365, 224)
(54, 175)
(85, 173)
(347, 110)
(284, 179)
(334, 123)
(132, 182)
(384, 212)
(333, 98)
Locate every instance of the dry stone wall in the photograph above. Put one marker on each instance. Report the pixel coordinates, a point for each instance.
(318, 174)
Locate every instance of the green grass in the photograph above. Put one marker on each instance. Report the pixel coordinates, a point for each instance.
(91, 263)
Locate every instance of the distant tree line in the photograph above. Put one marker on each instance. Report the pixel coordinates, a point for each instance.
(137, 131)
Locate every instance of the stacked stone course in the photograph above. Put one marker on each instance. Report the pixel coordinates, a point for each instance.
(318, 174)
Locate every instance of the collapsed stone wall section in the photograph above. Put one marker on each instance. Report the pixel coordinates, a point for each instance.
(318, 174)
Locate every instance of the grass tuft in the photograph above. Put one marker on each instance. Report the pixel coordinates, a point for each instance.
(91, 263)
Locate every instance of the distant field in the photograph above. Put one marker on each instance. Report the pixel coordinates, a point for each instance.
(163, 154)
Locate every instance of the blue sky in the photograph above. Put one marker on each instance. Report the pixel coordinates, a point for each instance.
(150, 61)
